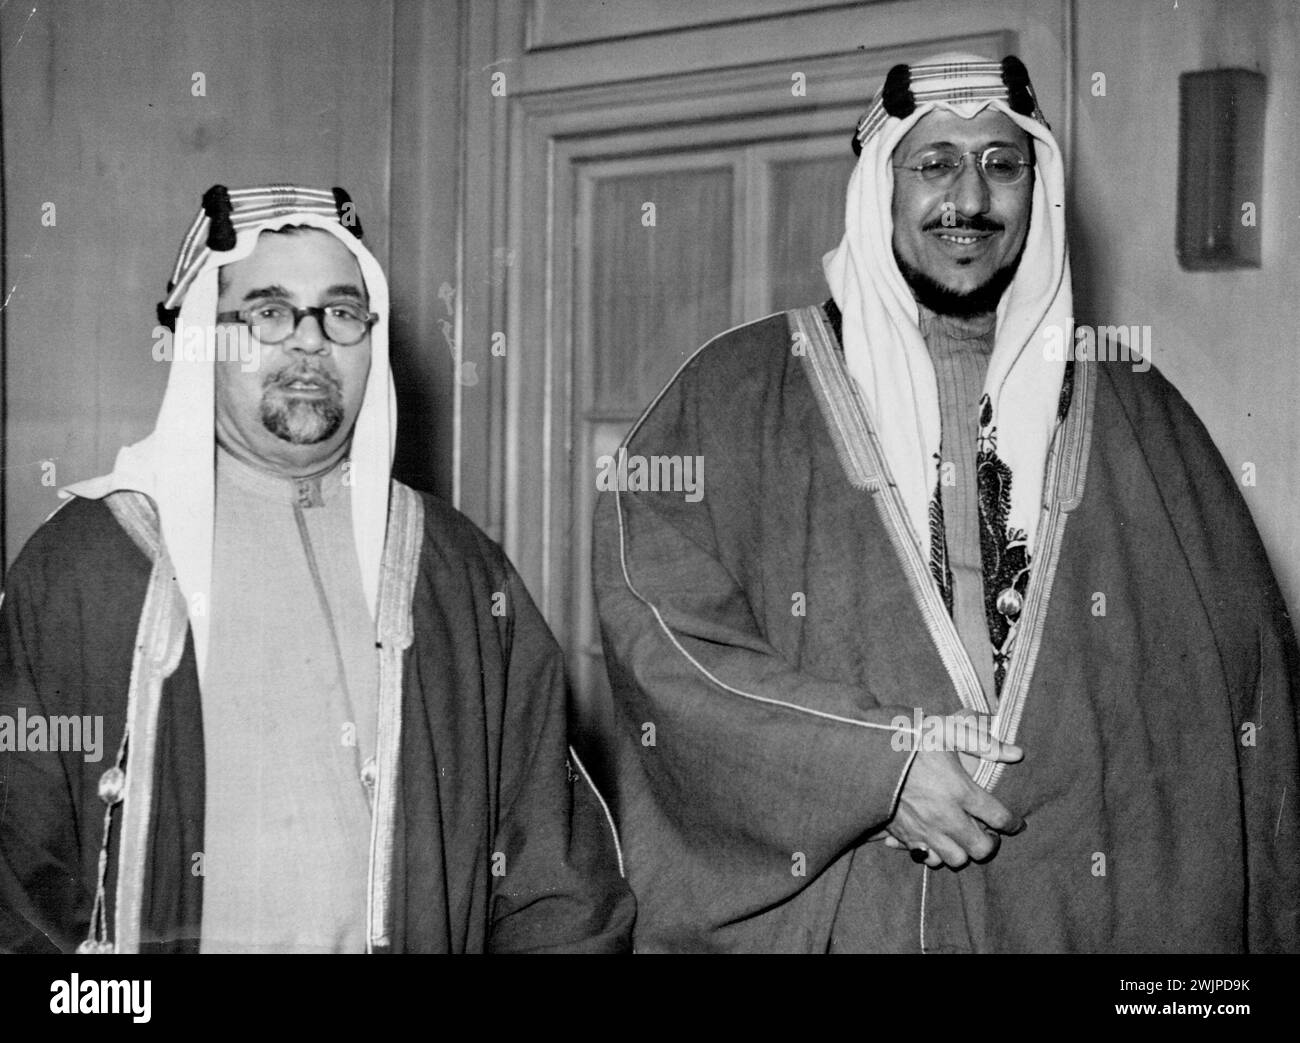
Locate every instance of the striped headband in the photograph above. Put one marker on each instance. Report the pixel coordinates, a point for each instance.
(907, 86)
(226, 212)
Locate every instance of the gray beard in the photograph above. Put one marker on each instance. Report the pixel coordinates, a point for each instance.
(301, 422)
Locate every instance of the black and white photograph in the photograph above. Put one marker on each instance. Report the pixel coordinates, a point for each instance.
(651, 477)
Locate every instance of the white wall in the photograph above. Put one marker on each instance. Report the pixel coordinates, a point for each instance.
(101, 120)
(1227, 340)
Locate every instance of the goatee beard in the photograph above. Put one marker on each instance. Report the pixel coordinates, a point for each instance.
(301, 421)
(943, 301)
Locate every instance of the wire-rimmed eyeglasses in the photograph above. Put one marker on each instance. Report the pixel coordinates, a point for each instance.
(1000, 164)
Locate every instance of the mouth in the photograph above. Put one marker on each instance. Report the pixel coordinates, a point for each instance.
(963, 246)
(962, 238)
(306, 385)
(305, 389)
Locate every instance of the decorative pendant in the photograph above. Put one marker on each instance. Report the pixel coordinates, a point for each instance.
(111, 784)
(1010, 602)
(95, 947)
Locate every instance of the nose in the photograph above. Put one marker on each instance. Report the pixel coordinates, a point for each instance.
(970, 193)
(308, 336)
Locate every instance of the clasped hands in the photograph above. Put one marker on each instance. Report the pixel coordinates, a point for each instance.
(943, 817)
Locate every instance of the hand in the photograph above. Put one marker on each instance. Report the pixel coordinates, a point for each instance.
(940, 809)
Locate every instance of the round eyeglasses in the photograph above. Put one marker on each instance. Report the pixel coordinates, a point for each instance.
(1000, 164)
(272, 322)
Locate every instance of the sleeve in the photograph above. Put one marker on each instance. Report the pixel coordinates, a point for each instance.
(1270, 772)
(556, 866)
(1256, 644)
(44, 906)
(742, 765)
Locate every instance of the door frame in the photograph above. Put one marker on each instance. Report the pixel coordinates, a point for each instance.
(514, 456)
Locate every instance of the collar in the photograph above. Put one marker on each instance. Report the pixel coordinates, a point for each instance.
(311, 490)
(940, 331)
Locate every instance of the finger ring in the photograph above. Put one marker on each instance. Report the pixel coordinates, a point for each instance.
(919, 854)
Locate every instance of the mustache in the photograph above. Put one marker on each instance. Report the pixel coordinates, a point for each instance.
(974, 223)
(282, 378)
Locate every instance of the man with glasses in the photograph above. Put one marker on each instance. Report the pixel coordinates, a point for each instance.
(334, 721)
(968, 646)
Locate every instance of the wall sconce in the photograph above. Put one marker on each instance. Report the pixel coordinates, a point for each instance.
(1220, 168)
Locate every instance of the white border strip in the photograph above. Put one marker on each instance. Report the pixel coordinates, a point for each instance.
(613, 829)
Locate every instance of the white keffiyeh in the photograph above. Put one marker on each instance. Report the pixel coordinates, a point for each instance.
(884, 350)
(175, 464)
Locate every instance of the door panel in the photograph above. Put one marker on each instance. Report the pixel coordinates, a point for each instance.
(661, 266)
(805, 221)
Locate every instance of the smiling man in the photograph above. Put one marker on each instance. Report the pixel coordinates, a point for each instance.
(964, 648)
(958, 235)
(335, 720)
